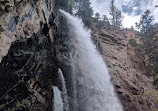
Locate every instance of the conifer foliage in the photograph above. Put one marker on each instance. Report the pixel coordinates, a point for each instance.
(116, 15)
(85, 11)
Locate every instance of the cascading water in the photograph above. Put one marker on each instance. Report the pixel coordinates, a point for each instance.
(64, 91)
(58, 104)
(93, 89)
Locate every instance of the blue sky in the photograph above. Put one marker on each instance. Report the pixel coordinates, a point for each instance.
(132, 9)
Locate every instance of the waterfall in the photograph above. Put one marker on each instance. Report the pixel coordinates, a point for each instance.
(64, 90)
(58, 104)
(94, 90)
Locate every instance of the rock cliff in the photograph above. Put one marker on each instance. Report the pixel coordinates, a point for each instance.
(127, 68)
(27, 71)
(20, 19)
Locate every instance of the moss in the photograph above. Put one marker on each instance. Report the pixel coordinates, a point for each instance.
(21, 103)
(150, 97)
(3, 105)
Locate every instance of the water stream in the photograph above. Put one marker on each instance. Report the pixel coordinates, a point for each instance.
(95, 91)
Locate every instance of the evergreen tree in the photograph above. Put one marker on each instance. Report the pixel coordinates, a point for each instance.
(85, 11)
(118, 18)
(62, 4)
(97, 16)
(112, 12)
(132, 27)
(149, 37)
(145, 23)
(146, 26)
(148, 33)
(105, 18)
(116, 14)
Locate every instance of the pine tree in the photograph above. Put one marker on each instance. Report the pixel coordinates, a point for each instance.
(112, 12)
(85, 11)
(62, 4)
(132, 27)
(145, 23)
(148, 32)
(146, 26)
(116, 14)
(97, 16)
(105, 18)
(118, 18)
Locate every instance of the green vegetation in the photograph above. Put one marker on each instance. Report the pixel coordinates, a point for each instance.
(100, 24)
(150, 97)
(145, 24)
(132, 42)
(116, 14)
(19, 105)
(64, 4)
(85, 11)
(148, 32)
(14, 104)
(97, 15)
(156, 78)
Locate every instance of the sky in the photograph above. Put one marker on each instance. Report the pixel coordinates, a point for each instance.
(131, 9)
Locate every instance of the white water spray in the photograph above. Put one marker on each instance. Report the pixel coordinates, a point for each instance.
(58, 104)
(64, 90)
(95, 91)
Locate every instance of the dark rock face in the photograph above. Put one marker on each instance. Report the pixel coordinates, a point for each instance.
(28, 70)
(65, 55)
(19, 19)
(27, 74)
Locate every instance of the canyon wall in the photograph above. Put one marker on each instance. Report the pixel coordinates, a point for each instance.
(31, 53)
(126, 64)
(27, 69)
(20, 19)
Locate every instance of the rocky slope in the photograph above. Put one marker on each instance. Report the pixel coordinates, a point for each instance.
(127, 68)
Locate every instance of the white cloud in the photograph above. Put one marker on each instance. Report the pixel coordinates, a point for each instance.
(102, 6)
(153, 9)
(135, 8)
(129, 21)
